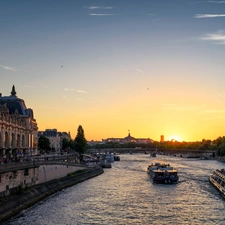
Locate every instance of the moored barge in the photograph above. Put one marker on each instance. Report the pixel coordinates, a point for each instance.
(218, 180)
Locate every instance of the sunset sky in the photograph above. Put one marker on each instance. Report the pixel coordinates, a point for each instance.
(154, 67)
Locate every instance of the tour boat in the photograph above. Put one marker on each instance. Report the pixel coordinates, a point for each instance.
(163, 173)
(218, 180)
(104, 163)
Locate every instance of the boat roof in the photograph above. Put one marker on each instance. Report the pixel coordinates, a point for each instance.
(162, 171)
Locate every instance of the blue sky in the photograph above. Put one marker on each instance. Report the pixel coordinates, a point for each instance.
(150, 66)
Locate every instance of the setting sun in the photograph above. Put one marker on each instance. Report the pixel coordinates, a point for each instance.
(175, 138)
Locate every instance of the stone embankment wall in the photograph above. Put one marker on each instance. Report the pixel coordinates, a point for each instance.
(51, 172)
(12, 205)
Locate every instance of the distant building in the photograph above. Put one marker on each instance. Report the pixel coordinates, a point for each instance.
(162, 138)
(127, 139)
(92, 142)
(65, 135)
(18, 128)
(55, 138)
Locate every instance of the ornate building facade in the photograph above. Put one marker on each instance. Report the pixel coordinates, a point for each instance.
(127, 139)
(18, 128)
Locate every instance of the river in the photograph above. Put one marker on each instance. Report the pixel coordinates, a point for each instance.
(125, 195)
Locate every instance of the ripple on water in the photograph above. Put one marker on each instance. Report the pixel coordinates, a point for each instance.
(125, 195)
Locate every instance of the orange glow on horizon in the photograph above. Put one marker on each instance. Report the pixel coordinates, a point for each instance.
(175, 138)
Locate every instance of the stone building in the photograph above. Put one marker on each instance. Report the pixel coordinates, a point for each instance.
(18, 141)
(127, 139)
(18, 128)
(55, 138)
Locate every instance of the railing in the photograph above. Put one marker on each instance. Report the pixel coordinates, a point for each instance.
(42, 160)
(12, 166)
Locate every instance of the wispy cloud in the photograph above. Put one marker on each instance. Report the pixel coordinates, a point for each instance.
(8, 68)
(99, 7)
(141, 71)
(218, 2)
(100, 14)
(202, 16)
(72, 89)
(221, 95)
(42, 107)
(219, 36)
(212, 111)
(178, 107)
(196, 2)
(69, 89)
(82, 91)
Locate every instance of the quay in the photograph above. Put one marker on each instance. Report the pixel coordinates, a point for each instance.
(23, 197)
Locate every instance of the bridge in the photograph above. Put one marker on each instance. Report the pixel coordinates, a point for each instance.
(34, 162)
(150, 150)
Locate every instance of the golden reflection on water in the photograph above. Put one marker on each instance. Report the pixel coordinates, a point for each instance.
(124, 194)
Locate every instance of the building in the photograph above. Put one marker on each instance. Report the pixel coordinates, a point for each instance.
(127, 139)
(18, 128)
(162, 138)
(18, 141)
(55, 138)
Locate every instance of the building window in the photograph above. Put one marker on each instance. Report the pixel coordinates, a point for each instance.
(26, 172)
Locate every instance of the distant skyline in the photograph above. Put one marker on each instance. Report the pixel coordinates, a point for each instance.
(151, 67)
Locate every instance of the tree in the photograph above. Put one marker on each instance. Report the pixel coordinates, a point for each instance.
(80, 142)
(65, 143)
(43, 143)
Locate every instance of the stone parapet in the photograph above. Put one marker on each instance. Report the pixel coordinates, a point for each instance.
(12, 205)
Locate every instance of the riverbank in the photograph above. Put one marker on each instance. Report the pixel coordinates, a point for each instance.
(10, 206)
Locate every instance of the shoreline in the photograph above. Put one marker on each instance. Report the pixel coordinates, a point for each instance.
(13, 205)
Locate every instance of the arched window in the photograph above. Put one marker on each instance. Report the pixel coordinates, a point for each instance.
(13, 140)
(23, 141)
(1, 141)
(18, 141)
(6, 139)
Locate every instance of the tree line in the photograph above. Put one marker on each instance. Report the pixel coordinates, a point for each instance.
(206, 144)
(79, 144)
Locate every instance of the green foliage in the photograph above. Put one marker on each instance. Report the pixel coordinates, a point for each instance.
(80, 142)
(43, 143)
(76, 173)
(66, 143)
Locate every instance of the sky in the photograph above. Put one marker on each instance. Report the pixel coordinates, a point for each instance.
(148, 67)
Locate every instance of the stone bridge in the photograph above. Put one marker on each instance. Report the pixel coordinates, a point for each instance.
(150, 150)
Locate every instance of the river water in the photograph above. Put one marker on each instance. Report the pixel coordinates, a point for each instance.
(125, 195)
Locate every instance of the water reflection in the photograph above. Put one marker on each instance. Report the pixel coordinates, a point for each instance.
(124, 194)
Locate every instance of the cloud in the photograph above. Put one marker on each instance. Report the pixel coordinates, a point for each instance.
(42, 107)
(218, 2)
(196, 2)
(179, 108)
(8, 68)
(82, 91)
(219, 36)
(99, 7)
(141, 71)
(221, 95)
(213, 111)
(100, 14)
(200, 16)
(69, 89)
(72, 89)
